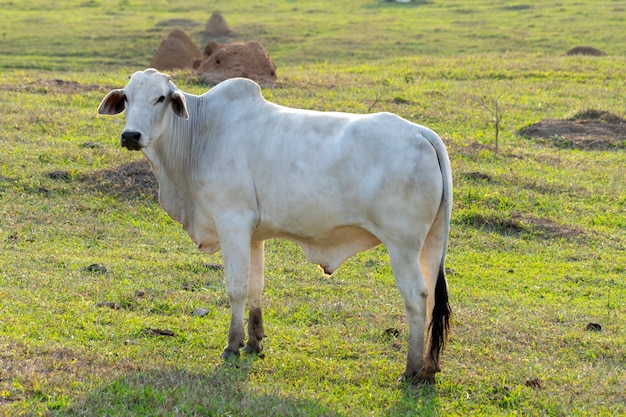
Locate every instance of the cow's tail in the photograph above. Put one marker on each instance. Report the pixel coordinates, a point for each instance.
(439, 326)
(440, 322)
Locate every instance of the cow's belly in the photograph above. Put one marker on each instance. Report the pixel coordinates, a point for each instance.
(327, 248)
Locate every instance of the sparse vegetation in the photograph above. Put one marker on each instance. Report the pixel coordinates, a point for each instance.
(494, 107)
(99, 289)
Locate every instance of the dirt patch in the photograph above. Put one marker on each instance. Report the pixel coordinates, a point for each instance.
(176, 22)
(585, 50)
(53, 86)
(68, 86)
(130, 181)
(589, 129)
(177, 51)
(223, 61)
(158, 332)
(477, 175)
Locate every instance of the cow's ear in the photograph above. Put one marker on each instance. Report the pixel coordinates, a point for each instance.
(179, 105)
(113, 103)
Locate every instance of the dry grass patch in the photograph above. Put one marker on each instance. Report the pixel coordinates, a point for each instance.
(517, 224)
(128, 181)
(50, 375)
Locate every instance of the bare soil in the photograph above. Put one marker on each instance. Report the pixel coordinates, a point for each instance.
(129, 181)
(218, 61)
(217, 26)
(238, 59)
(585, 50)
(53, 86)
(589, 130)
(177, 51)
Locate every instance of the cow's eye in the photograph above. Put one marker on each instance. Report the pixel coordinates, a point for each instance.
(161, 99)
(124, 98)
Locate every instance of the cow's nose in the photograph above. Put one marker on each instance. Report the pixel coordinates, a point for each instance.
(130, 140)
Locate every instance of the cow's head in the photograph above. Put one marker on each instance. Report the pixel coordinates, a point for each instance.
(147, 99)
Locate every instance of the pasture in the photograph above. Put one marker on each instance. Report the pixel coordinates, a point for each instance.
(100, 290)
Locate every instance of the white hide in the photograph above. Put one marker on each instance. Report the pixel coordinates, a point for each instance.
(241, 170)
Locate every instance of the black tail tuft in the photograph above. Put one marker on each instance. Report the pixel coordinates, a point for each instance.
(440, 322)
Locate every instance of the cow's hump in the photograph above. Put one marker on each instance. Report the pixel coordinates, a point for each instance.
(237, 89)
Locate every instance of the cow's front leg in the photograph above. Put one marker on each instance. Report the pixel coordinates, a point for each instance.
(255, 291)
(236, 254)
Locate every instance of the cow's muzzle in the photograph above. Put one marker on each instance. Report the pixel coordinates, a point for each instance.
(130, 140)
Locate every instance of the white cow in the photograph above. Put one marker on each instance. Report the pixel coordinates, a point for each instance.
(235, 170)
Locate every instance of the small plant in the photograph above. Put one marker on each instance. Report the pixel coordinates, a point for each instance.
(493, 105)
(379, 94)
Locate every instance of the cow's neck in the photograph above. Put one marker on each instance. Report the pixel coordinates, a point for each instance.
(175, 160)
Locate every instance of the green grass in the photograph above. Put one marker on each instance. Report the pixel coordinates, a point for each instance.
(107, 34)
(537, 243)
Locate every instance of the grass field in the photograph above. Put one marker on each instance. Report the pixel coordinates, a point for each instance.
(93, 273)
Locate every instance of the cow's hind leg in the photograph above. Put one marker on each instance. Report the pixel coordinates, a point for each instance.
(255, 291)
(408, 275)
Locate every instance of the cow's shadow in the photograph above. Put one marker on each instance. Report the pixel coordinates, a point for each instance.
(225, 390)
(169, 391)
(417, 400)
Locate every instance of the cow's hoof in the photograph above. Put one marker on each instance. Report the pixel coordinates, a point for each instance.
(258, 348)
(424, 376)
(229, 354)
